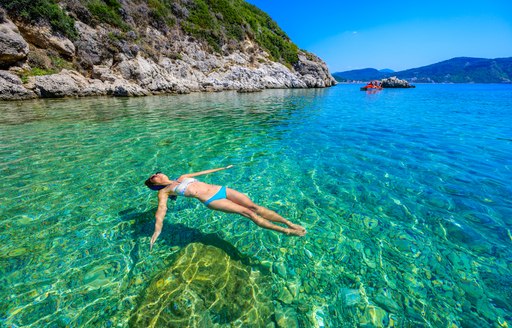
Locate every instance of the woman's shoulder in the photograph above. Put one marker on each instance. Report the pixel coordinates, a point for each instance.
(182, 177)
(186, 177)
(169, 189)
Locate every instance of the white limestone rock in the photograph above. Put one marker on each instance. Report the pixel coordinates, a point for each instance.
(394, 82)
(42, 37)
(11, 88)
(13, 47)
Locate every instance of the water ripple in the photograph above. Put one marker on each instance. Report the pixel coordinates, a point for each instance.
(405, 194)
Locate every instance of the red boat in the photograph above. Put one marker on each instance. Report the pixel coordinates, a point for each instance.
(372, 85)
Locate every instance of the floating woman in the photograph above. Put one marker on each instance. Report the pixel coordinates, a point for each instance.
(215, 197)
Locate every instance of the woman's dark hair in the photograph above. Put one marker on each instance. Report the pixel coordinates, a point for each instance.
(155, 187)
(152, 186)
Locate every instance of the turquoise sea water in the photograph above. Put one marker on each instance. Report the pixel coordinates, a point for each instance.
(405, 194)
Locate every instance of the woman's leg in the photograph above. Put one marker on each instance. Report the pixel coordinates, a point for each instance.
(226, 205)
(241, 199)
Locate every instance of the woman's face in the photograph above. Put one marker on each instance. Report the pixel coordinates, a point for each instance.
(158, 178)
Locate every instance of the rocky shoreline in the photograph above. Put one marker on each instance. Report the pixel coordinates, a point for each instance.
(131, 71)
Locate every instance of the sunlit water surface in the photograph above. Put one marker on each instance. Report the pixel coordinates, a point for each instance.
(406, 196)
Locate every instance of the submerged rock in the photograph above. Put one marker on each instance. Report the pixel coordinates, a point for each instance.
(286, 317)
(374, 317)
(387, 303)
(349, 297)
(204, 288)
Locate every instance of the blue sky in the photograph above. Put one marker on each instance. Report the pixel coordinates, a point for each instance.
(394, 34)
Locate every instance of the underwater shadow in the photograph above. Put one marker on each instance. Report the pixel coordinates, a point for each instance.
(180, 235)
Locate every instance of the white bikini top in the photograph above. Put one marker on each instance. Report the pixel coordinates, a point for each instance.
(182, 187)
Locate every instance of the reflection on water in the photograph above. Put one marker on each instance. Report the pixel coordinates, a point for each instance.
(405, 195)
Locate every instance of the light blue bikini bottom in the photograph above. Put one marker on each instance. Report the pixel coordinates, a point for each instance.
(221, 194)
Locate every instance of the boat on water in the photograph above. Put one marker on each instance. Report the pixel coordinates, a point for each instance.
(370, 88)
(372, 85)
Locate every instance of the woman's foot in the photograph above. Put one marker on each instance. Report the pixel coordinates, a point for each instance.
(296, 227)
(293, 232)
(296, 230)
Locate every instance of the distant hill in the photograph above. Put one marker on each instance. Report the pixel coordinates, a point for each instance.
(386, 70)
(364, 74)
(462, 70)
(455, 70)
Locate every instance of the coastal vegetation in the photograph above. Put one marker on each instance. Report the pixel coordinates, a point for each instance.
(107, 11)
(42, 11)
(40, 65)
(221, 24)
(61, 48)
(455, 70)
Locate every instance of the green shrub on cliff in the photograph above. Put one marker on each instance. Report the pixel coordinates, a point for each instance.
(43, 64)
(220, 21)
(222, 24)
(36, 11)
(107, 11)
(160, 10)
(202, 25)
(36, 71)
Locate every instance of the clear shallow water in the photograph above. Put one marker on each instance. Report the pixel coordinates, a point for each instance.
(405, 195)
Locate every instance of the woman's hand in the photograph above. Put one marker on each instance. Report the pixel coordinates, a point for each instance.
(196, 174)
(158, 227)
(153, 239)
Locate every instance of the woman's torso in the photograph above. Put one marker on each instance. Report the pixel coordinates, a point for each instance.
(197, 189)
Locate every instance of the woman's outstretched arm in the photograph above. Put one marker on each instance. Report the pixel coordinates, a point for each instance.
(196, 174)
(159, 216)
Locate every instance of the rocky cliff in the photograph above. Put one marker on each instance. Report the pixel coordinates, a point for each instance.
(135, 48)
